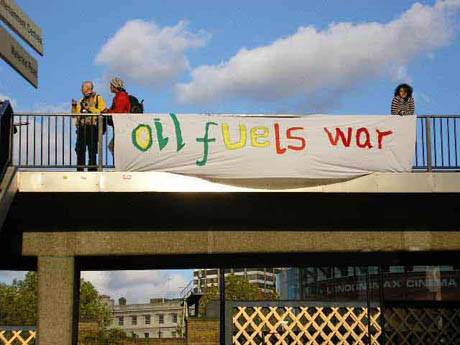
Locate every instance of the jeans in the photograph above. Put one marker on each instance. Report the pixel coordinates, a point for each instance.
(87, 137)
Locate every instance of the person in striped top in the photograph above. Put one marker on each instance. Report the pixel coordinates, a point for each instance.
(403, 103)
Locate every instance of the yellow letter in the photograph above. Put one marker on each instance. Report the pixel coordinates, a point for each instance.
(227, 140)
(259, 132)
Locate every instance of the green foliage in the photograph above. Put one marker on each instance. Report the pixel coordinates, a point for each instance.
(107, 336)
(18, 303)
(92, 307)
(237, 288)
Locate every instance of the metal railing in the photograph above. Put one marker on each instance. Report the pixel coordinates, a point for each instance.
(52, 141)
(438, 143)
(63, 141)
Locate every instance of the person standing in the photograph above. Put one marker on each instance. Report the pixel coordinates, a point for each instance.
(403, 103)
(87, 125)
(121, 104)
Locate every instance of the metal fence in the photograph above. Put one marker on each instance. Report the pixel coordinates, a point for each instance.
(52, 141)
(438, 143)
(60, 141)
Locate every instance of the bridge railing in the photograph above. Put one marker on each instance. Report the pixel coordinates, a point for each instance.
(49, 141)
(438, 143)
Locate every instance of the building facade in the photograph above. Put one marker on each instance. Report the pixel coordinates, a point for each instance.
(161, 318)
(263, 278)
(377, 283)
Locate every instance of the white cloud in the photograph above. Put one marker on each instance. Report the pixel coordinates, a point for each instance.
(144, 53)
(138, 286)
(336, 59)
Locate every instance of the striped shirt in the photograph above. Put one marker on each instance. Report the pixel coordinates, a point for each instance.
(399, 106)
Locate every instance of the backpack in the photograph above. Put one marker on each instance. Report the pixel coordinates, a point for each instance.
(136, 106)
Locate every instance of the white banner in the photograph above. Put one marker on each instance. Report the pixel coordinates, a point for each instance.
(239, 146)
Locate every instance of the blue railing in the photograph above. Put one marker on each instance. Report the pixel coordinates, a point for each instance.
(49, 141)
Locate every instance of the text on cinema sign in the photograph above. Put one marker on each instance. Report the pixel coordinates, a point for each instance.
(291, 139)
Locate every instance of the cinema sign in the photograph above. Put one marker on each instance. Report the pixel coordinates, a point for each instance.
(10, 50)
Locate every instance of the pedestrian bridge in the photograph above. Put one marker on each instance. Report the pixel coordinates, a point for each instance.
(59, 221)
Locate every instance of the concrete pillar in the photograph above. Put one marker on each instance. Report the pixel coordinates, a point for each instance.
(56, 292)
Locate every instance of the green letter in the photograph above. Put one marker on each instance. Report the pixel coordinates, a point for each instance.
(162, 141)
(179, 140)
(205, 140)
(141, 137)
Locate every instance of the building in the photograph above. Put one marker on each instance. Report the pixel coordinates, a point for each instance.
(376, 283)
(161, 318)
(264, 278)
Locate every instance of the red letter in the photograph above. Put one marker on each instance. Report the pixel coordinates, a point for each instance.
(279, 150)
(301, 139)
(380, 136)
(339, 134)
(367, 142)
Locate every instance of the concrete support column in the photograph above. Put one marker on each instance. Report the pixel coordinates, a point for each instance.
(56, 292)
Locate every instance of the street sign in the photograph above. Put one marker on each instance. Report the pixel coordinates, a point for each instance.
(18, 58)
(21, 23)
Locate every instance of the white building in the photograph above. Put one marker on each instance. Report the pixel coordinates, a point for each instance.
(264, 278)
(161, 318)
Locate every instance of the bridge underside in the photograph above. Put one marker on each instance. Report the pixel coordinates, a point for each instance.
(61, 223)
(361, 220)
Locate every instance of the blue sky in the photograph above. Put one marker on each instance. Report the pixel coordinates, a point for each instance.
(76, 32)
(275, 56)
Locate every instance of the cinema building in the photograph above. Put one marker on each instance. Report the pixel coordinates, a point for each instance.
(386, 285)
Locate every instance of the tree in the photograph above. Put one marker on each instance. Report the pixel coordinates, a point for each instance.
(18, 303)
(237, 288)
(92, 307)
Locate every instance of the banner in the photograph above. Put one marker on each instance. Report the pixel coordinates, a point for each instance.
(239, 146)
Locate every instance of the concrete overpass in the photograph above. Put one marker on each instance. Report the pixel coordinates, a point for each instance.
(62, 222)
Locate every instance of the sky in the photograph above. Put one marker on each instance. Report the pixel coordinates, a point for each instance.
(327, 56)
(258, 56)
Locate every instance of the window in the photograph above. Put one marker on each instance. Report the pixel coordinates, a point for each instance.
(211, 272)
(134, 320)
(174, 318)
(146, 335)
(120, 321)
(147, 319)
(161, 319)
